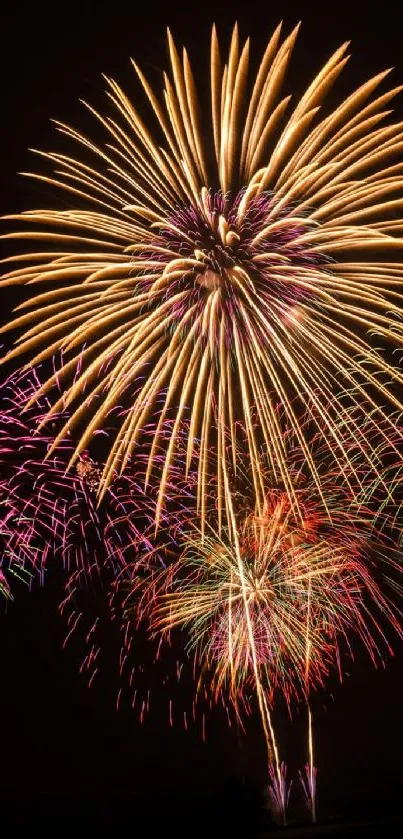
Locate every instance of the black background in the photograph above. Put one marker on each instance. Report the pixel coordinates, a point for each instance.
(65, 750)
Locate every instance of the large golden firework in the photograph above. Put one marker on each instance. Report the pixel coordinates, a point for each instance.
(221, 263)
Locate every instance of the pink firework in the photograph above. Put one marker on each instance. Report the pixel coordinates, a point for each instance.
(279, 789)
(49, 515)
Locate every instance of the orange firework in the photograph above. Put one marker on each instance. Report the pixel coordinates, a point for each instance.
(302, 589)
(271, 595)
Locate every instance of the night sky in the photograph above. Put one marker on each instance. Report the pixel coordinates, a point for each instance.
(64, 747)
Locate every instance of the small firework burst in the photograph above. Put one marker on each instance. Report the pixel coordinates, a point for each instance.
(88, 471)
(270, 595)
(279, 789)
(297, 588)
(307, 779)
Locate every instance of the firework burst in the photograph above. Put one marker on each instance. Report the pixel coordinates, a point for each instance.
(279, 790)
(197, 286)
(307, 779)
(49, 516)
(301, 590)
(271, 596)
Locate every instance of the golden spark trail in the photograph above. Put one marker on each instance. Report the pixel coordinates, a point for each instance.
(264, 709)
(307, 690)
